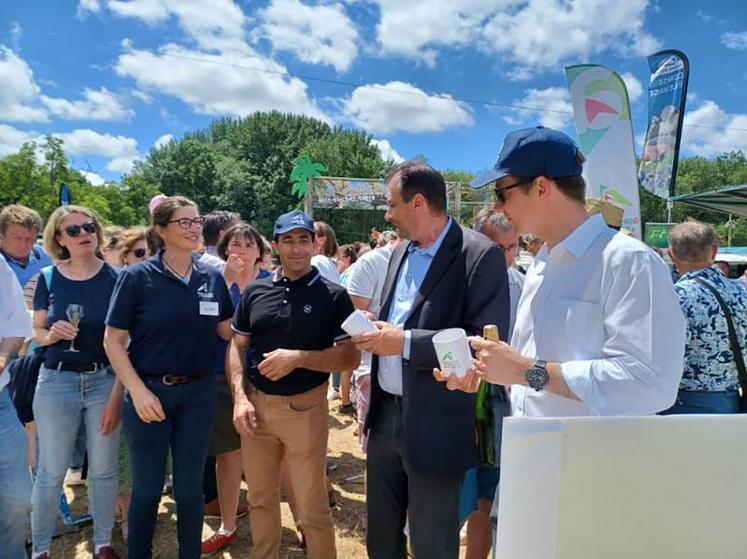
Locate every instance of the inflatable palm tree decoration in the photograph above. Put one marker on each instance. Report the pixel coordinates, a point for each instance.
(303, 171)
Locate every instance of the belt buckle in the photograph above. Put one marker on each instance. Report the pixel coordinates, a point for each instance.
(169, 380)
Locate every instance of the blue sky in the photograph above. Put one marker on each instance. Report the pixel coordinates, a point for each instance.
(115, 77)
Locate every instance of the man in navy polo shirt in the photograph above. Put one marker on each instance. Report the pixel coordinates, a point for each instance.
(280, 407)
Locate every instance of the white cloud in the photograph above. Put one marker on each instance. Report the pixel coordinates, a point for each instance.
(388, 153)
(709, 130)
(415, 29)
(734, 40)
(528, 35)
(121, 150)
(19, 91)
(99, 104)
(87, 6)
(321, 34)
(163, 140)
(11, 139)
(213, 24)
(93, 178)
(401, 106)
(635, 89)
(535, 34)
(218, 84)
(551, 106)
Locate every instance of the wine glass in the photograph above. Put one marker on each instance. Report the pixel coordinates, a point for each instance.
(74, 316)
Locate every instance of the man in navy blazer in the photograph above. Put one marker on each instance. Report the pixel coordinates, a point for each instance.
(421, 434)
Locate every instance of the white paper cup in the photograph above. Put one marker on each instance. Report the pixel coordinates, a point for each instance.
(452, 350)
(357, 323)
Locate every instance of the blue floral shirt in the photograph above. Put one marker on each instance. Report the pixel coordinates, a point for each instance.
(709, 361)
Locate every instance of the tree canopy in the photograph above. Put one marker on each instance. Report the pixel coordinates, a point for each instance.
(245, 164)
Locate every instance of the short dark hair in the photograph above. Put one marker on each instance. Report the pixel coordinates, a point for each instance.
(215, 222)
(417, 177)
(241, 230)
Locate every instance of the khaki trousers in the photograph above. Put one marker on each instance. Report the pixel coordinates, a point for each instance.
(293, 428)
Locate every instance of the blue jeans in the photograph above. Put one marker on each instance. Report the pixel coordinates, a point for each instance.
(189, 410)
(15, 482)
(62, 398)
(692, 401)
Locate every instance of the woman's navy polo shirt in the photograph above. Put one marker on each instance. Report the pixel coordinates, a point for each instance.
(172, 325)
(94, 294)
(276, 312)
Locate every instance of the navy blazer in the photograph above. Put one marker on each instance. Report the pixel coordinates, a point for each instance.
(466, 287)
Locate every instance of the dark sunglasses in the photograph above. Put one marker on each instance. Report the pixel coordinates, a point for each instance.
(139, 252)
(74, 230)
(500, 193)
(186, 223)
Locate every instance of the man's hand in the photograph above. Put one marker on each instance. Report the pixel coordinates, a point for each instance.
(245, 417)
(468, 383)
(385, 340)
(498, 362)
(279, 363)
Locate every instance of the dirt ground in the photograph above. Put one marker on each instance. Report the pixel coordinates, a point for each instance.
(349, 515)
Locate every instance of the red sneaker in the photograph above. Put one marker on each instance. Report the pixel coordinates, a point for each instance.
(217, 541)
(106, 552)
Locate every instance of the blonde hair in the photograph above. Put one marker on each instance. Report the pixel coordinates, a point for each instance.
(15, 214)
(129, 238)
(51, 245)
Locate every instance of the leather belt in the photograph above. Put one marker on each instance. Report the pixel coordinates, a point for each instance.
(393, 398)
(171, 380)
(77, 367)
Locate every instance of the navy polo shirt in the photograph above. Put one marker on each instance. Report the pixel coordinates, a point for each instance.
(94, 294)
(277, 312)
(172, 325)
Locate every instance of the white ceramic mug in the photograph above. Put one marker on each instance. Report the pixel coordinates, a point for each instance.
(452, 350)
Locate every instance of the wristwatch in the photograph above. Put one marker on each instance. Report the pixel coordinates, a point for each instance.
(537, 376)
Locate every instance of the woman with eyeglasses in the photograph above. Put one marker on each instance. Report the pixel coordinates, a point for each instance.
(170, 308)
(133, 246)
(76, 381)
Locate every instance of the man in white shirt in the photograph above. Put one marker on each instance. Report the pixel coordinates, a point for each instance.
(366, 281)
(15, 481)
(599, 330)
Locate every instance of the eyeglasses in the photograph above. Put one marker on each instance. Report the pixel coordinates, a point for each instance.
(74, 230)
(500, 193)
(139, 252)
(186, 223)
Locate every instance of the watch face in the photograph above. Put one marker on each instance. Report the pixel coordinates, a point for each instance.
(537, 377)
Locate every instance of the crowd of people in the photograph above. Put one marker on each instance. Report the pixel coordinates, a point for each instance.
(212, 348)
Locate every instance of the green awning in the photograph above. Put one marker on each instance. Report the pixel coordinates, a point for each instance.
(730, 200)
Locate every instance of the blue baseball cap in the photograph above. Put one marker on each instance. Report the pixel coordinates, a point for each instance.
(292, 220)
(533, 152)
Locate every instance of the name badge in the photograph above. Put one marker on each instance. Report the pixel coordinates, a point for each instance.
(208, 308)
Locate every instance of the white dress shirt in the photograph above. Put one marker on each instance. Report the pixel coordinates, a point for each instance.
(602, 305)
(14, 320)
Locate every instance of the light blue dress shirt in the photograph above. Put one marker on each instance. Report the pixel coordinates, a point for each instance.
(411, 275)
(38, 259)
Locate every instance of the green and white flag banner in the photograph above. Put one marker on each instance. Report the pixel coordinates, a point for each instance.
(605, 133)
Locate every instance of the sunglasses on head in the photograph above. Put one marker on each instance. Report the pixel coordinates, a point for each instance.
(74, 230)
(139, 252)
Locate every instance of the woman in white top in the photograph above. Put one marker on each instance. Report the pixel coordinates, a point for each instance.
(325, 244)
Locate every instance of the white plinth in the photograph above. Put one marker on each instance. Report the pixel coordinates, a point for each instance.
(670, 487)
